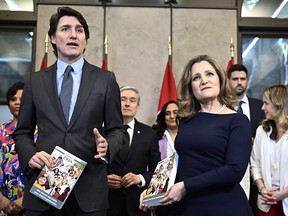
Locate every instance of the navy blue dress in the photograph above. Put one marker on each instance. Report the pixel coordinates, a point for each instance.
(214, 150)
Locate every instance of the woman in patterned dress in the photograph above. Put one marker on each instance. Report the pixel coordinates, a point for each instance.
(11, 175)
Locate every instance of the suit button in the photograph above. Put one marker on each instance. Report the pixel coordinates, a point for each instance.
(68, 134)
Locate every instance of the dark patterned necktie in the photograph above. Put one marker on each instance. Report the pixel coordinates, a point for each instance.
(126, 127)
(240, 110)
(125, 149)
(66, 92)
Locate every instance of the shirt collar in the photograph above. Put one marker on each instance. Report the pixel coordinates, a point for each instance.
(132, 124)
(245, 99)
(77, 66)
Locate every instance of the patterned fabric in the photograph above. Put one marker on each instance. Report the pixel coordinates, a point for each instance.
(12, 179)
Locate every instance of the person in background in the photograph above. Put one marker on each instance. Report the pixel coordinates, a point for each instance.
(269, 157)
(213, 143)
(12, 179)
(70, 101)
(56, 192)
(166, 127)
(131, 171)
(251, 107)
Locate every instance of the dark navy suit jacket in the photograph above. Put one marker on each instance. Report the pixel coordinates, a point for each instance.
(256, 114)
(141, 158)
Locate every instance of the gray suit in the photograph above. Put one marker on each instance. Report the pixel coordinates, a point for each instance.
(98, 101)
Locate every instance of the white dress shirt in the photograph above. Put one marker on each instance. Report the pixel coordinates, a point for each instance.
(130, 131)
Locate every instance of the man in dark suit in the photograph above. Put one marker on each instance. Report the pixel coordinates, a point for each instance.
(131, 171)
(93, 100)
(251, 107)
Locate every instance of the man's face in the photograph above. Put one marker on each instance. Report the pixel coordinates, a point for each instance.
(129, 103)
(69, 39)
(239, 81)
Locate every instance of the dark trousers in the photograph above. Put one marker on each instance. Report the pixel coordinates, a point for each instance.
(70, 208)
(253, 197)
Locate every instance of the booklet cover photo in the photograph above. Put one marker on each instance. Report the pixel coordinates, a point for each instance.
(55, 184)
(163, 178)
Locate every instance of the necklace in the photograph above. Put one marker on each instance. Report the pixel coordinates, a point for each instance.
(218, 111)
(277, 154)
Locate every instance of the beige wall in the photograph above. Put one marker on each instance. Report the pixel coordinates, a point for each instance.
(138, 40)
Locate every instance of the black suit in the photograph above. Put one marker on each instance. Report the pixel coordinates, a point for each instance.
(98, 101)
(143, 154)
(256, 116)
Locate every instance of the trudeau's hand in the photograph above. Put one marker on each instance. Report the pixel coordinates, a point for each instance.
(40, 159)
(101, 144)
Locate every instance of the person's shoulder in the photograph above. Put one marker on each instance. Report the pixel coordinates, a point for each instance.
(6, 124)
(144, 126)
(50, 69)
(91, 67)
(228, 111)
(255, 100)
(260, 130)
(233, 115)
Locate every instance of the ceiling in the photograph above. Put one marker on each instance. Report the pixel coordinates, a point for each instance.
(250, 8)
(22, 39)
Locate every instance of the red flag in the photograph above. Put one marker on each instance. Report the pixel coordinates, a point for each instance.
(104, 64)
(230, 64)
(168, 91)
(105, 60)
(44, 62)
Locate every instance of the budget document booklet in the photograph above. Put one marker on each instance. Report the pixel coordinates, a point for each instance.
(163, 178)
(55, 184)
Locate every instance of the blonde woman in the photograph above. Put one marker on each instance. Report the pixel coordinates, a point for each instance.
(269, 157)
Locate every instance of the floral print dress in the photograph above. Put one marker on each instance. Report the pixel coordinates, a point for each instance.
(12, 179)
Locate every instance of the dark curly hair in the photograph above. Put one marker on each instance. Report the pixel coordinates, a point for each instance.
(13, 90)
(160, 125)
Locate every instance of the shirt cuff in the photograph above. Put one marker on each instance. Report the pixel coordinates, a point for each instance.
(143, 182)
(105, 159)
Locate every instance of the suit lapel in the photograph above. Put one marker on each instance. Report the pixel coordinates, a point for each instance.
(126, 152)
(135, 139)
(50, 78)
(87, 80)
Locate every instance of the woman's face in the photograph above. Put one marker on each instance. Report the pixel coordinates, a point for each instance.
(170, 116)
(14, 103)
(205, 82)
(268, 108)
